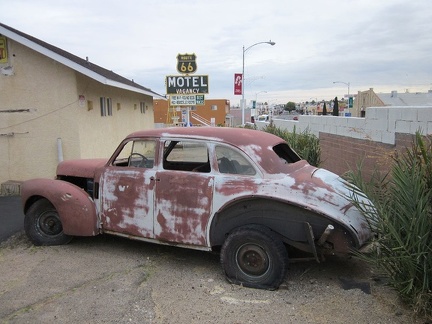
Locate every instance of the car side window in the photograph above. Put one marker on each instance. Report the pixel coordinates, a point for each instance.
(232, 162)
(138, 154)
(186, 156)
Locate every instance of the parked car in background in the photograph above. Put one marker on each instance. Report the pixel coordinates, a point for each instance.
(241, 192)
(263, 118)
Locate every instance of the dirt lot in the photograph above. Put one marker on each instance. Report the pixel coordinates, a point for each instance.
(113, 280)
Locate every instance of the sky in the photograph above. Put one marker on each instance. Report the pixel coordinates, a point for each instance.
(385, 45)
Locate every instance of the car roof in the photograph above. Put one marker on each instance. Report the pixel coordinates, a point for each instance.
(258, 145)
(235, 136)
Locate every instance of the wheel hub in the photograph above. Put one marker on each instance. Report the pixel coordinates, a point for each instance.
(252, 260)
(49, 224)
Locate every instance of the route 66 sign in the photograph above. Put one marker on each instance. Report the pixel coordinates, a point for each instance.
(186, 63)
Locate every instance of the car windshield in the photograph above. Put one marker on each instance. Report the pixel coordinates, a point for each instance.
(139, 153)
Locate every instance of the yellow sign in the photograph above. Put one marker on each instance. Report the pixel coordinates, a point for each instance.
(3, 50)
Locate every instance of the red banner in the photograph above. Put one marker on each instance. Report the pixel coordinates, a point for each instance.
(238, 83)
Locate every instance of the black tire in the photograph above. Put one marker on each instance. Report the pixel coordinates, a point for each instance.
(43, 226)
(254, 257)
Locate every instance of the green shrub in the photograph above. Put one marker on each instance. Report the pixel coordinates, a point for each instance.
(401, 218)
(305, 144)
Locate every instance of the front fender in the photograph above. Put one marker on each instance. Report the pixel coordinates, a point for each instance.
(75, 207)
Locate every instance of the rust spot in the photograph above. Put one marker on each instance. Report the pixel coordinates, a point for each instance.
(341, 242)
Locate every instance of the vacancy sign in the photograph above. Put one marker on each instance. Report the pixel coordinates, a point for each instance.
(187, 100)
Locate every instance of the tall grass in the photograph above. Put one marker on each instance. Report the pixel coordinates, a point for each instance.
(401, 218)
(305, 143)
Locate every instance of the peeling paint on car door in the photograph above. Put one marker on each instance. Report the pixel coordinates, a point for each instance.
(128, 200)
(183, 206)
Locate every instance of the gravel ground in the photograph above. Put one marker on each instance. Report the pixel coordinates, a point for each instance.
(107, 279)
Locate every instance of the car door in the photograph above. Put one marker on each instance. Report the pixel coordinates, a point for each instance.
(237, 177)
(127, 190)
(184, 193)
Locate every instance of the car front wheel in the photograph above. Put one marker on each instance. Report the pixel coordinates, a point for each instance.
(253, 256)
(43, 226)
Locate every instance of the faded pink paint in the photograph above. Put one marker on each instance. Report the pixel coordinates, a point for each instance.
(127, 201)
(75, 208)
(84, 168)
(177, 207)
(183, 206)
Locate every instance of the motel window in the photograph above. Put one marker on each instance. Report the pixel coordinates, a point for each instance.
(103, 106)
(109, 106)
(142, 107)
(106, 106)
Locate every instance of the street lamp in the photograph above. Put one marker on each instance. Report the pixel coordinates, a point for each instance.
(256, 102)
(257, 93)
(243, 76)
(346, 83)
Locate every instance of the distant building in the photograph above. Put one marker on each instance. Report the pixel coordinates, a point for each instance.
(369, 98)
(236, 115)
(406, 98)
(214, 112)
(55, 105)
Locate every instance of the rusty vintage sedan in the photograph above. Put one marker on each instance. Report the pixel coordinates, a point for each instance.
(241, 192)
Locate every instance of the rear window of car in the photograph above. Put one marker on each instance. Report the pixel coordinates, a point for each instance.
(286, 153)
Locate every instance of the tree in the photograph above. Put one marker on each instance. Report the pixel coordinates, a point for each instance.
(324, 109)
(336, 107)
(290, 106)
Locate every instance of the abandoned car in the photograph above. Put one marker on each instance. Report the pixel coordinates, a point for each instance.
(241, 192)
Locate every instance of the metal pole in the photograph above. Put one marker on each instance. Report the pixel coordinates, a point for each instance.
(347, 84)
(243, 85)
(243, 103)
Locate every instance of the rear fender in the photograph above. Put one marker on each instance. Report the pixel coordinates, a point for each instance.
(75, 207)
(293, 223)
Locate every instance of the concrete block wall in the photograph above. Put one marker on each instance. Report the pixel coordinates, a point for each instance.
(347, 141)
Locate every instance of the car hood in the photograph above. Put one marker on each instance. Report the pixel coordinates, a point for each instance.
(83, 168)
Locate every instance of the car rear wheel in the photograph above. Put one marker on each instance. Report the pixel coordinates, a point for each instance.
(253, 256)
(43, 226)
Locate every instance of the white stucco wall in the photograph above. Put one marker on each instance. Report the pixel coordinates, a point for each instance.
(47, 90)
(50, 92)
(99, 136)
(380, 123)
